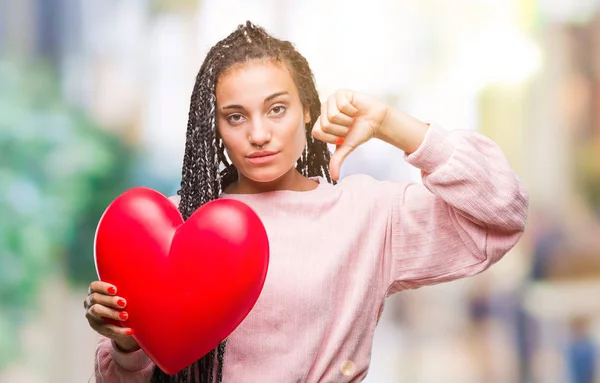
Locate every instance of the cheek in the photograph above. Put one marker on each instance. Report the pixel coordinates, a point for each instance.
(233, 153)
(231, 142)
(227, 153)
(301, 135)
(300, 138)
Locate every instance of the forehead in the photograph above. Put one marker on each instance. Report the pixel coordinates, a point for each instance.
(254, 81)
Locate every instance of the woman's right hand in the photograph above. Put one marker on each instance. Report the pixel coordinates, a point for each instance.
(103, 303)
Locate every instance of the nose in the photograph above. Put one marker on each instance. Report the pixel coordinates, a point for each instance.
(260, 134)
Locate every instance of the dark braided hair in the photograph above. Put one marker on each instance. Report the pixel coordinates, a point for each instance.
(207, 172)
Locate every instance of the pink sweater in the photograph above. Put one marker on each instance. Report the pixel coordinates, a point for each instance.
(338, 251)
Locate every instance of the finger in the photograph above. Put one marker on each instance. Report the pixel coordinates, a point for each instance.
(326, 137)
(335, 130)
(337, 116)
(112, 331)
(329, 128)
(99, 313)
(318, 133)
(345, 103)
(359, 134)
(103, 288)
(337, 158)
(87, 302)
(105, 300)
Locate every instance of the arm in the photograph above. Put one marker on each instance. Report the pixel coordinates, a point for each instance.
(114, 366)
(469, 212)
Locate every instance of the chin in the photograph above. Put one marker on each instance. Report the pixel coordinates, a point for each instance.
(266, 175)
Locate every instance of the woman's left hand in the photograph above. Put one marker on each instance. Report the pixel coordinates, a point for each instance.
(348, 119)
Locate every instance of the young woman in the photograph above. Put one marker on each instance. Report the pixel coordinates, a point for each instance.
(337, 250)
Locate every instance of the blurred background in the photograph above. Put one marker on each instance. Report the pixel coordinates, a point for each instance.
(94, 96)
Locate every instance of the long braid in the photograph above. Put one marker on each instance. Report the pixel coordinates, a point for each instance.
(206, 172)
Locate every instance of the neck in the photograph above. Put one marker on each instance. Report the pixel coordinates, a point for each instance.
(292, 180)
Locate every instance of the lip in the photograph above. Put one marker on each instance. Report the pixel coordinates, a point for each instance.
(261, 157)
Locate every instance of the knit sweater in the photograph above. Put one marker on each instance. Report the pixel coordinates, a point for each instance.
(337, 252)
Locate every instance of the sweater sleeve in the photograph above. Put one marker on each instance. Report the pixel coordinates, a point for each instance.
(114, 366)
(469, 212)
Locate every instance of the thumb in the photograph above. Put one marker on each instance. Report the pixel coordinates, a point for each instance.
(340, 154)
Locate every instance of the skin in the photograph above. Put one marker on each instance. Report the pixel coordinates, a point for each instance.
(102, 302)
(259, 108)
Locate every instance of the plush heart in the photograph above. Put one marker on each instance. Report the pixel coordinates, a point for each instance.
(187, 285)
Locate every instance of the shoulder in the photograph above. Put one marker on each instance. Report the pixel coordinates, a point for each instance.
(362, 186)
(365, 182)
(357, 181)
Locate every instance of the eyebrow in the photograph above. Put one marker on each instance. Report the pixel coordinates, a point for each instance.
(269, 98)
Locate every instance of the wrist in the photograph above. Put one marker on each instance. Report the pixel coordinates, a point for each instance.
(402, 130)
(126, 346)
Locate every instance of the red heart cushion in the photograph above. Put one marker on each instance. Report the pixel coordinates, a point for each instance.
(187, 285)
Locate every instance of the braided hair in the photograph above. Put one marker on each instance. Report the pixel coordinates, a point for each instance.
(206, 170)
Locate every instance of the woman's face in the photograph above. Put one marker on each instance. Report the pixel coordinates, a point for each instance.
(261, 119)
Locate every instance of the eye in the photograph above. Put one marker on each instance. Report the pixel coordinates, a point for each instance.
(235, 118)
(278, 110)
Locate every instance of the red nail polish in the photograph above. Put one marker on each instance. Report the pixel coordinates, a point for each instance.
(112, 290)
(339, 141)
(121, 302)
(123, 315)
(129, 332)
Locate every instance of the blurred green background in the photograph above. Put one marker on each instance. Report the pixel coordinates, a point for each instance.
(50, 202)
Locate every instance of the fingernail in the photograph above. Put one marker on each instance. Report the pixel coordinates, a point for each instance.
(112, 290)
(339, 141)
(123, 315)
(129, 332)
(121, 302)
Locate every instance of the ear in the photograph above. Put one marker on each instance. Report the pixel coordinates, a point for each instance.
(307, 119)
